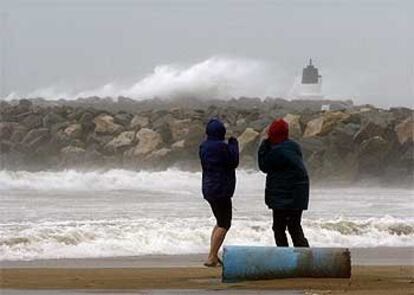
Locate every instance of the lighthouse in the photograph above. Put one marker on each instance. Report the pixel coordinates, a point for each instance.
(311, 84)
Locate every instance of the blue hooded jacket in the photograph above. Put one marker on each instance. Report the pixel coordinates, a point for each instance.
(218, 161)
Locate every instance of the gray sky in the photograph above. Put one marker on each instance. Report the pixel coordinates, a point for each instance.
(364, 49)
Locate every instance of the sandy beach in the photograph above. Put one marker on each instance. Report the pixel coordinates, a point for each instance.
(375, 271)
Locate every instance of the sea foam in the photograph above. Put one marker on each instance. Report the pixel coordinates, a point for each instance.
(124, 237)
(73, 214)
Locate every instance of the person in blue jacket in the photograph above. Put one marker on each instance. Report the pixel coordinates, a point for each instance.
(218, 161)
(287, 183)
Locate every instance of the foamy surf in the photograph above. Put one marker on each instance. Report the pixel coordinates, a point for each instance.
(108, 238)
(72, 214)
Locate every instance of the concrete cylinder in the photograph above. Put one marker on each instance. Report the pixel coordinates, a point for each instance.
(258, 263)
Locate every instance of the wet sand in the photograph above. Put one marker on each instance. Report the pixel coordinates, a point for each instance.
(375, 271)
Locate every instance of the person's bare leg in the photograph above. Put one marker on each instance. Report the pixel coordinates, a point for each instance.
(217, 238)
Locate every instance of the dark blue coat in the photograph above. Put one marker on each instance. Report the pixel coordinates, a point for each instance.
(287, 181)
(218, 161)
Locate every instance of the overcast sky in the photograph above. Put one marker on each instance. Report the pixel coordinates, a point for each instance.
(364, 49)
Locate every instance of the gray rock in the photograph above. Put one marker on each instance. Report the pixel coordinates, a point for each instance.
(369, 130)
(312, 145)
(7, 129)
(19, 133)
(158, 155)
(179, 128)
(5, 146)
(25, 103)
(98, 140)
(58, 127)
(32, 121)
(324, 124)
(123, 118)
(194, 136)
(74, 131)
(372, 155)
(86, 120)
(405, 130)
(248, 137)
(34, 134)
(124, 139)
(105, 125)
(139, 122)
(148, 141)
(51, 119)
(295, 129)
(341, 137)
(260, 124)
(178, 145)
(72, 155)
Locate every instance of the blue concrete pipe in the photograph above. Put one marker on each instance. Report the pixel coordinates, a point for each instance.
(258, 263)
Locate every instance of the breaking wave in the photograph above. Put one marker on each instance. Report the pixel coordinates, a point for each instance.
(216, 77)
(73, 214)
(124, 237)
(116, 179)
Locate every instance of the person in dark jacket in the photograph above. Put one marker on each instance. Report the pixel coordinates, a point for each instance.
(218, 161)
(287, 183)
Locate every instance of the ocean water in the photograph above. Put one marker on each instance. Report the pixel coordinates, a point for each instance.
(73, 214)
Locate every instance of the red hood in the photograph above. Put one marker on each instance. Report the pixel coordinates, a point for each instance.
(278, 131)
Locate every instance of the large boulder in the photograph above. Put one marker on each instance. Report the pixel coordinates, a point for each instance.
(295, 129)
(35, 138)
(23, 106)
(260, 124)
(158, 155)
(178, 145)
(72, 155)
(98, 140)
(124, 139)
(105, 125)
(312, 145)
(25, 103)
(76, 114)
(405, 130)
(341, 138)
(369, 130)
(138, 122)
(74, 131)
(192, 139)
(148, 141)
(180, 128)
(7, 129)
(19, 132)
(51, 119)
(70, 150)
(372, 155)
(247, 138)
(162, 127)
(5, 147)
(32, 121)
(34, 134)
(87, 122)
(123, 118)
(401, 113)
(59, 127)
(324, 124)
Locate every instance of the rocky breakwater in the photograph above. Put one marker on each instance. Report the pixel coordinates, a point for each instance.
(346, 145)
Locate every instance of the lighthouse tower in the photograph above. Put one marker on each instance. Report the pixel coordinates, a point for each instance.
(311, 84)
